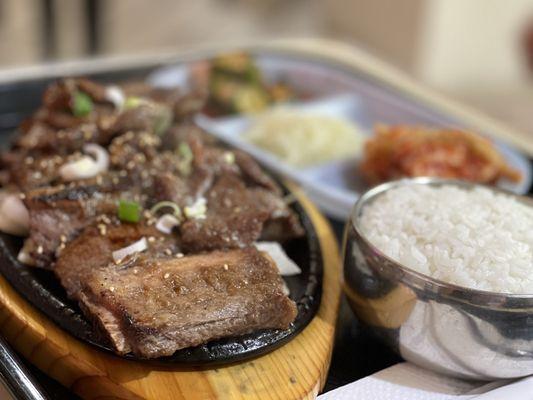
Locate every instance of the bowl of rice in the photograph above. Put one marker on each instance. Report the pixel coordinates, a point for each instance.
(442, 270)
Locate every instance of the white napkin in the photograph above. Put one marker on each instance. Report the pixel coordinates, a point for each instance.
(407, 381)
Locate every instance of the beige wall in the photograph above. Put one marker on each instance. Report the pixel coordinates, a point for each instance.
(474, 43)
(388, 28)
(453, 44)
(19, 36)
(132, 26)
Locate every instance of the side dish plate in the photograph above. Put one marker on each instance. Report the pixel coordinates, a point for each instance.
(329, 90)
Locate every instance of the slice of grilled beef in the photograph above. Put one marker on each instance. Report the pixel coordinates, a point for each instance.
(253, 174)
(55, 128)
(237, 216)
(153, 307)
(58, 214)
(243, 203)
(40, 137)
(182, 132)
(56, 218)
(93, 249)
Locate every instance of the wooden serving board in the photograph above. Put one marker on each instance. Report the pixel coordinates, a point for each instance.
(297, 370)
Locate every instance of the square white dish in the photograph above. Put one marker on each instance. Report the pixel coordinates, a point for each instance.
(336, 185)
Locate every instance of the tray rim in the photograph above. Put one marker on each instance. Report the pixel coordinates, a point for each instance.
(349, 57)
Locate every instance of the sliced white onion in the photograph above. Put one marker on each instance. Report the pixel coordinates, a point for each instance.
(285, 265)
(86, 167)
(25, 258)
(99, 153)
(14, 216)
(166, 222)
(196, 210)
(137, 247)
(115, 95)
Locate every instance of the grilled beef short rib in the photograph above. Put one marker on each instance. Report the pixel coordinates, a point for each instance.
(94, 247)
(159, 301)
(203, 281)
(161, 306)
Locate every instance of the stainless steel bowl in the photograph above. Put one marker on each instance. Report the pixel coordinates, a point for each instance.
(447, 328)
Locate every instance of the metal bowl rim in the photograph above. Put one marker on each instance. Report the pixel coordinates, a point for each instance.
(412, 276)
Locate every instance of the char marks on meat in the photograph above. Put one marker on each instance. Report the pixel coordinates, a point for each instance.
(205, 280)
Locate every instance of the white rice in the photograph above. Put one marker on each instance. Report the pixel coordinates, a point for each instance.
(475, 239)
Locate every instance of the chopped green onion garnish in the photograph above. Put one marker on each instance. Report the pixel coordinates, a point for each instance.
(82, 105)
(132, 102)
(164, 120)
(129, 211)
(167, 204)
(186, 155)
(185, 151)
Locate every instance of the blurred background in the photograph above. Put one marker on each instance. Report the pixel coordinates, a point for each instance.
(476, 51)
